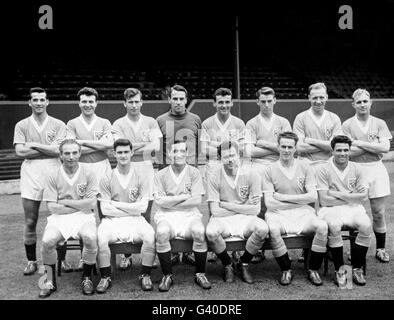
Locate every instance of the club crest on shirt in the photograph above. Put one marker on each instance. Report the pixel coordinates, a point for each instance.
(187, 187)
(51, 136)
(98, 135)
(351, 184)
(276, 133)
(232, 134)
(329, 130)
(133, 194)
(145, 136)
(372, 136)
(81, 189)
(301, 182)
(243, 192)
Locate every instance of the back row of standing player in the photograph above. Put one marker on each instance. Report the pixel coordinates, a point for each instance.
(38, 137)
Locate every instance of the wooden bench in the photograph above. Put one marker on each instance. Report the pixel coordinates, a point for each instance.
(232, 244)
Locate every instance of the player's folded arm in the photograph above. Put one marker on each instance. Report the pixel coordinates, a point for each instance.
(272, 204)
(109, 210)
(326, 199)
(375, 147)
(134, 209)
(192, 202)
(247, 209)
(217, 211)
(56, 208)
(23, 151)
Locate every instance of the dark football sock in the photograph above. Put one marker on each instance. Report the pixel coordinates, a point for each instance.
(165, 262)
(284, 262)
(359, 254)
(246, 257)
(146, 270)
(201, 260)
(337, 257)
(224, 257)
(53, 272)
(380, 240)
(105, 272)
(87, 270)
(316, 260)
(31, 252)
(61, 251)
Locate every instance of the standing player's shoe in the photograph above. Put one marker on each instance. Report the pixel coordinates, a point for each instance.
(243, 268)
(66, 267)
(31, 268)
(146, 282)
(166, 282)
(358, 277)
(314, 278)
(286, 278)
(202, 281)
(340, 279)
(87, 286)
(104, 284)
(47, 289)
(228, 275)
(125, 262)
(382, 255)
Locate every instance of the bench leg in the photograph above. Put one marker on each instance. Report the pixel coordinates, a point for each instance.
(113, 265)
(306, 258)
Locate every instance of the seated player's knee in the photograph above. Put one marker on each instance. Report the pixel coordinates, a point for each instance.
(149, 235)
(274, 230)
(49, 243)
(321, 227)
(212, 233)
(364, 225)
(198, 232)
(163, 234)
(261, 229)
(334, 227)
(89, 238)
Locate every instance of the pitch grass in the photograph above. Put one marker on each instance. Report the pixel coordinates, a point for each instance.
(16, 286)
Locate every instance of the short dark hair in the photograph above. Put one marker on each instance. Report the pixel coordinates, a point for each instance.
(68, 141)
(222, 92)
(177, 87)
(266, 91)
(123, 142)
(36, 90)
(288, 135)
(227, 145)
(130, 93)
(88, 92)
(340, 139)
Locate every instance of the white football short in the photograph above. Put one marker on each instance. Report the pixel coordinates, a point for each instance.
(71, 224)
(33, 175)
(179, 221)
(346, 214)
(292, 221)
(378, 179)
(125, 229)
(235, 225)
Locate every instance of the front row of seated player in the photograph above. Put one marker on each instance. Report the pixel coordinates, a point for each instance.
(234, 193)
